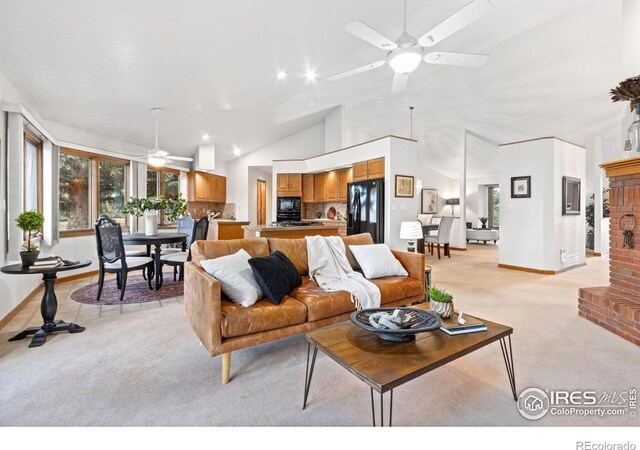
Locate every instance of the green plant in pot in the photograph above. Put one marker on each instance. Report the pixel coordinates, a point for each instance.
(440, 302)
(319, 215)
(29, 221)
(483, 221)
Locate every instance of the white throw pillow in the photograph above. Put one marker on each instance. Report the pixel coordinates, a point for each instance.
(236, 277)
(376, 261)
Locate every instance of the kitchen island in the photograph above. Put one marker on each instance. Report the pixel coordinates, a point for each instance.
(224, 229)
(290, 232)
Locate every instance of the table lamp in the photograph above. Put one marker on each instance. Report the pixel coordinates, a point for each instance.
(411, 231)
(453, 202)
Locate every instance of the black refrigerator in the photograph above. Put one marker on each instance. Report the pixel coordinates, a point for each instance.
(365, 209)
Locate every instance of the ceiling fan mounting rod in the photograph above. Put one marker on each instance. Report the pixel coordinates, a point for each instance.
(404, 11)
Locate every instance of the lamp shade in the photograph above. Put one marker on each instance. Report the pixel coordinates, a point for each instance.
(453, 201)
(411, 230)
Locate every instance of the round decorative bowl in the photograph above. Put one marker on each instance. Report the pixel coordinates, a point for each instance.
(419, 321)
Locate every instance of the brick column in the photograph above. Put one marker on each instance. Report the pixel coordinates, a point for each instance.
(617, 307)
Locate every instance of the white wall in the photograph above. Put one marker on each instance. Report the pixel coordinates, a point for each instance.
(333, 130)
(533, 230)
(305, 144)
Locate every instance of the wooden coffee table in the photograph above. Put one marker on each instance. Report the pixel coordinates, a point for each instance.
(385, 365)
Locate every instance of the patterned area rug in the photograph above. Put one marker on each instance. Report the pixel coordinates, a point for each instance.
(137, 291)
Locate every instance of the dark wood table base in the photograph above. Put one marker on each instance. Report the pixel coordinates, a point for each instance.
(40, 333)
(507, 354)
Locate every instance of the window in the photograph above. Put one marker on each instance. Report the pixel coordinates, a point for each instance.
(90, 185)
(163, 182)
(494, 207)
(32, 172)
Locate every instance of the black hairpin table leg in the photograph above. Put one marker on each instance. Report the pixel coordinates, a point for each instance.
(373, 409)
(309, 373)
(507, 354)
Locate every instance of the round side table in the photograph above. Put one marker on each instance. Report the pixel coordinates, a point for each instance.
(49, 304)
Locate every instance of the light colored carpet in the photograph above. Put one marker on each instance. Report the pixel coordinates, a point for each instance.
(147, 367)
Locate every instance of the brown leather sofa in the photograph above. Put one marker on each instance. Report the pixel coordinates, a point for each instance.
(222, 326)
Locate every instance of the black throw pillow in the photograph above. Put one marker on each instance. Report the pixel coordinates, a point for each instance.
(276, 275)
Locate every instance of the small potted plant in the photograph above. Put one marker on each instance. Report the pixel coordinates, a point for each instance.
(319, 215)
(176, 208)
(483, 221)
(29, 221)
(440, 302)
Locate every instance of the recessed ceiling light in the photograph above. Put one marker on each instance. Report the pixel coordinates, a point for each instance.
(310, 75)
(236, 151)
(281, 75)
(205, 137)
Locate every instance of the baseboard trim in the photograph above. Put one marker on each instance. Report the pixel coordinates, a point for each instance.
(19, 307)
(596, 254)
(78, 276)
(458, 249)
(527, 269)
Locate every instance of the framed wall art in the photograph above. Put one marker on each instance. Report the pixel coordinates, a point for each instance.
(404, 186)
(429, 201)
(521, 187)
(570, 196)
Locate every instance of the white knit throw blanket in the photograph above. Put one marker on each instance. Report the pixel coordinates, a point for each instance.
(329, 267)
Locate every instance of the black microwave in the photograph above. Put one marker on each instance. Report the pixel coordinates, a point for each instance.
(289, 204)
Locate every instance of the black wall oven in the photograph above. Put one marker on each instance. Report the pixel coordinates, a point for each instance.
(289, 208)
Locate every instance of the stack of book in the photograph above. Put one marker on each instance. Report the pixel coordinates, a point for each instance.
(47, 263)
(451, 326)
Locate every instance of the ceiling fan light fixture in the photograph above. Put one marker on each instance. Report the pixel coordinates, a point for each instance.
(157, 161)
(405, 60)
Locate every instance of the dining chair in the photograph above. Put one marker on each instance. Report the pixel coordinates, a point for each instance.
(184, 225)
(442, 236)
(112, 257)
(198, 233)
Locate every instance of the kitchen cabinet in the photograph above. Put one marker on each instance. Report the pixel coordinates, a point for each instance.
(320, 185)
(206, 187)
(308, 188)
(331, 186)
(344, 177)
(368, 170)
(289, 185)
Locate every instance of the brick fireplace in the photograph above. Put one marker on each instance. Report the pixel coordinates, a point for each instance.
(617, 307)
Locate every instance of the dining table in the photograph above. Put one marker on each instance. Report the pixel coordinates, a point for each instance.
(157, 240)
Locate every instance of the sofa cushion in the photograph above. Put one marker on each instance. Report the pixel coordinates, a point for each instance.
(208, 249)
(276, 275)
(235, 276)
(377, 261)
(263, 316)
(396, 288)
(295, 250)
(356, 239)
(321, 304)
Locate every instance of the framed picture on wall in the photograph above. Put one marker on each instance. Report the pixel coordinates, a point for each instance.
(570, 196)
(521, 187)
(404, 186)
(429, 201)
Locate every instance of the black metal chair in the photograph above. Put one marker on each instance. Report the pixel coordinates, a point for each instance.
(177, 260)
(112, 256)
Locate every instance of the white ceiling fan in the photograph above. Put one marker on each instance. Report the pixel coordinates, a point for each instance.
(157, 157)
(404, 55)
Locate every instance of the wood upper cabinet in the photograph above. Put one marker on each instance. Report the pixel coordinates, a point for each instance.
(205, 187)
(344, 177)
(289, 185)
(368, 170)
(375, 168)
(308, 188)
(320, 187)
(331, 186)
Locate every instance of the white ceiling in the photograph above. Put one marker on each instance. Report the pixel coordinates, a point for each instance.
(100, 66)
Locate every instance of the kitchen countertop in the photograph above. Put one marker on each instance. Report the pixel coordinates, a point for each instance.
(338, 221)
(239, 222)
(305, 227)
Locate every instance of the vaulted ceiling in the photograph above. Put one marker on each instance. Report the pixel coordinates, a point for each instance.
(212, 64)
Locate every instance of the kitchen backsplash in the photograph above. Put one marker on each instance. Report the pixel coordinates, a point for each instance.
(310, 209)
(200, 209)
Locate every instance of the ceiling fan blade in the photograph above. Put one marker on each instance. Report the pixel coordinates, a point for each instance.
(469, 14)
(456, 59)
(399, 82)
(179, 158)
(357, 70)
(366, 33)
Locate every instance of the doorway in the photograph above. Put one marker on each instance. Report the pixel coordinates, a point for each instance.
(493, 201)
(261, 195)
